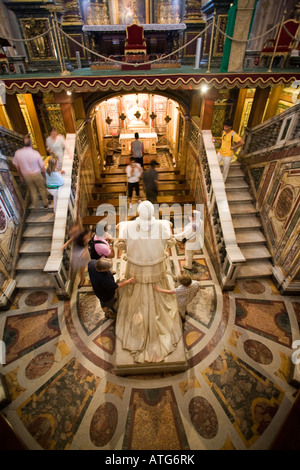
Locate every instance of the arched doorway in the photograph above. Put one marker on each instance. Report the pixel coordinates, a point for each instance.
(157, 118)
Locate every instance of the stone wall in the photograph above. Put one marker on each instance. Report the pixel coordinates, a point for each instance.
(275, 182)
(12, 211)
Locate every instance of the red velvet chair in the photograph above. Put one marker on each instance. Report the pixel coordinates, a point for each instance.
(284, 45)
(135, 42)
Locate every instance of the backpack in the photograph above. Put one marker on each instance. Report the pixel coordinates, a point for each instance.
(232, 134)
(92, 250)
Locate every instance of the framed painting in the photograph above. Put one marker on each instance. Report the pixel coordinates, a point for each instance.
(125, 11)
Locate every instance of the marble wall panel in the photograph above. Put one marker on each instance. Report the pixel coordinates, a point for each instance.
(276, 186)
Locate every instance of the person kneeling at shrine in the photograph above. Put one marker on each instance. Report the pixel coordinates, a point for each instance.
(104, 285)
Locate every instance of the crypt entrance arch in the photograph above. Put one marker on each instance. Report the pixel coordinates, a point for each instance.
(159, 117)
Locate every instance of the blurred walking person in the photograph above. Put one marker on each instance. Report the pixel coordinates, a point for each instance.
(31, 169)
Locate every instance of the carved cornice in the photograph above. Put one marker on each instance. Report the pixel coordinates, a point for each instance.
(155, 82)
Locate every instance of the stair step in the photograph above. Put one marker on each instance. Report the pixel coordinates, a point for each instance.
(31, 263)
(238, 196)
(235, 172)
(235, 183)
(242, 208)
(34, 280)
(255, 252)
(250, 236)
(35, 247)
(40, 217)
(37, 230)
(254, 269)
(242, 223)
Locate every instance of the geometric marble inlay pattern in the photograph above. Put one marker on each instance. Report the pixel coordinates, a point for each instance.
(265, 317)
(89, 311)
(154, 421)
(53, 414)
(249, 399)
(26, 332)
(66, 394)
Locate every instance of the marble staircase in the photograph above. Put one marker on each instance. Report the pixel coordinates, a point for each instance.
(247, 226)
(34, 250)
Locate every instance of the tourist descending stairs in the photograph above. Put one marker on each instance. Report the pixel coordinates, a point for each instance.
(247, 226)
(35, 250)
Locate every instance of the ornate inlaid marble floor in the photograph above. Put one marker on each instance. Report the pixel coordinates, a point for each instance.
(234, 395)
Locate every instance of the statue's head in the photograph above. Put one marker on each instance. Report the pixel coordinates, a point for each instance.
(146, 210)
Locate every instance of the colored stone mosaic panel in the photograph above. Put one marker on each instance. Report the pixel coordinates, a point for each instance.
(53, 414)
(267, 318)
(81, 345)
(106, 340)
(89, 311)
(191, 335)
(26, 332)
(12, 384)
(189, 384)
(258, 351)
(36, 298)
(115, 389)
(103, 424)
(154, 422)
(203, 417)
(286, 369)
(234, 337)
(203, 307)
(180, 249)
(249, 399)
(39, 365)
(200, 271)
(254, 287)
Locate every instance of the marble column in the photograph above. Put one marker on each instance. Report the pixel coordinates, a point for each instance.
(258, 107)
(15, 114)
(238, 115)
(207, 108)
(273, 102)
(244, 14)
(67, 110)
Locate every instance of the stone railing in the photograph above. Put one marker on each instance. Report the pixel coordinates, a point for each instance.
(58, 263)
(10, 141)
(280, 131)
(229, 254)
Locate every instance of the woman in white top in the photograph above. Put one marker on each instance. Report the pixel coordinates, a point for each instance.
(56, 145)
(134, 172)
(53, 180)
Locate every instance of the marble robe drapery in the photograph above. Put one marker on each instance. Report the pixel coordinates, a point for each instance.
(148, 323)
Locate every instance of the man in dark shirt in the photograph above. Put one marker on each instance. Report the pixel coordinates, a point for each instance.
(104, 285)
(150, 180)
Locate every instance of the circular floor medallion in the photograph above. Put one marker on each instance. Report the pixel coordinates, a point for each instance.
(254, 287)
(39, 365)
(103, 424)
(203, 417)
(258, 352)
(36, 298)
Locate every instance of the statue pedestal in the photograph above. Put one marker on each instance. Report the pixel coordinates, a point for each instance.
(125, 365)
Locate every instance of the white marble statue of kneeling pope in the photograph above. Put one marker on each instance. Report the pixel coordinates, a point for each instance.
(148, 323)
